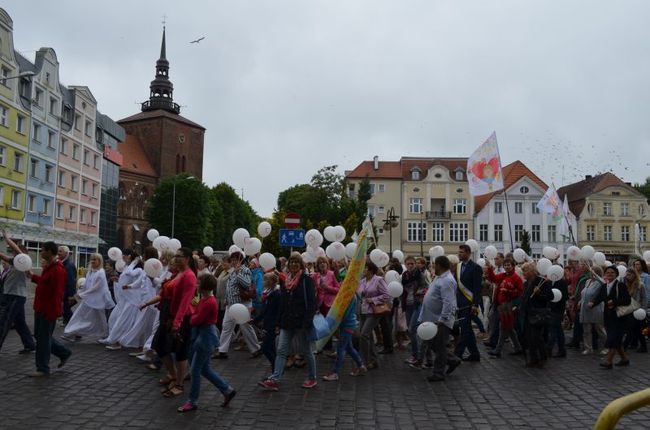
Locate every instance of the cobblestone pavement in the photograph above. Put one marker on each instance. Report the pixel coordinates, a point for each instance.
(100, 388)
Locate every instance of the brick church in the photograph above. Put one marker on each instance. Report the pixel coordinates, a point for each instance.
(159, 143)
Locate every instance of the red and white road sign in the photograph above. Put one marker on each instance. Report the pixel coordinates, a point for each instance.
(292, 220)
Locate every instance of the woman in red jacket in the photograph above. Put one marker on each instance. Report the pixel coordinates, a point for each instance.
(509, 288)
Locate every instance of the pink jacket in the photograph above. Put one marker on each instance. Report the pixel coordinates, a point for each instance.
(373, 292)
(327, 288)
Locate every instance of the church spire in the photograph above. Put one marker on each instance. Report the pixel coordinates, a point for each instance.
(161, 88)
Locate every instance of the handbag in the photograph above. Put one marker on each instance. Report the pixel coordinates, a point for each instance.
(621, 311)
(381, 309)
(319, 326)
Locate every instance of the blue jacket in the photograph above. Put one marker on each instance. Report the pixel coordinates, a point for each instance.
(472, 279)
(71, 281)
(349, 320)
(257, 278)
(270, 310)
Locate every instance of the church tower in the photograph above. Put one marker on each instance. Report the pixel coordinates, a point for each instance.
(161, 88)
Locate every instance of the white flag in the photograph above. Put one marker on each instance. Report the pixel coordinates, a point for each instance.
(484, 168)
(567, 219)
(551, 204)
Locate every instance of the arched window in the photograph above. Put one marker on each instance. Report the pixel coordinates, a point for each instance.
(183, 163)
(178, 164)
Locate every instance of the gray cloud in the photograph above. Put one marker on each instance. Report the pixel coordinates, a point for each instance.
(285, 87)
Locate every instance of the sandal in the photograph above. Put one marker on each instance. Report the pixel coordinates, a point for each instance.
(166, 380)
(176, 390)
(168, 387)
(187, 407)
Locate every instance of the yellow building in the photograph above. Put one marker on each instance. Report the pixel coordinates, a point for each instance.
(14, 128)
(612, 215)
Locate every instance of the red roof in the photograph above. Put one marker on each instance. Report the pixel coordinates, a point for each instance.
(135, 160)
(386, 170)
(512, 173)
(156, 114)
(577, 192)
(402, 169)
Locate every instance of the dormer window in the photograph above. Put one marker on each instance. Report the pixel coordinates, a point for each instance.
(415, 174)
(459, 175)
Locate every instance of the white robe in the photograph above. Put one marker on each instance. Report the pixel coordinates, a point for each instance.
(89, 319)
(125, 312)
(137, 335)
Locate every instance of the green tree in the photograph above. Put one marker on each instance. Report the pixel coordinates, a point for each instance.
(525, 242)
(191, 212)
(644, 188)
(228, 212)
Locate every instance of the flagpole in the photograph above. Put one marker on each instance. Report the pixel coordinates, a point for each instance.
(512, 243)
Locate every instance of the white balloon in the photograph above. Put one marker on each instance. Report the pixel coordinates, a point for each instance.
(588, 252)
(549, 252)
(339, 233)
(308, 258)
(174, 245)
(329, 233)
(640, 314)
(543, 265)
(473, 245)
(22, 262)
(264, 229)
(392, 276)
(519, 255)
(399, 255)
(153, 267)
(555, 273)
(395, 289)
(239, 313)
(573, 253)
(436, 251)
(152, 234)
(490, 252)
(252, 246)
(120, 265)
(267, 261)
(350, 249)
(233, 249)
(481, 262)
(453, 259)
(336, 251)
(239, 237)
(161, 243)
(81, 282)
(208, 251)
(607, 263)
(557, 295)
(427, 330)
(621, 271)
(646, 255)
(599, 258)
(313, 238)
(379, 257)
(115, 253)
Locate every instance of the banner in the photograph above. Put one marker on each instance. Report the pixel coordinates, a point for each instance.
(484, 168)
(551, 204)
(567, 218)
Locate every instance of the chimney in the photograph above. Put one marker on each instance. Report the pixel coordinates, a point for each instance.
(587, 177)
(375, 162)
(628, 184)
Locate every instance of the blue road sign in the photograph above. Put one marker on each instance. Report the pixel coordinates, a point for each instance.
(294, 237)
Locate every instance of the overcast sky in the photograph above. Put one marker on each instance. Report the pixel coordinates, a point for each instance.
(286, 87)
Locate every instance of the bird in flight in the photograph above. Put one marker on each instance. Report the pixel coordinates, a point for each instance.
(198, 40)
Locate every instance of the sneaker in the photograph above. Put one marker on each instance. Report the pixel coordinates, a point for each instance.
(331, 377)
(116, 347)
(220, 355)
(269, 384)
(143, 358)
(428, 365)
(411, 360)
(136, 353)
(309, 383)
(604, 351)
(359, 371)
(26, 351)
(228, 397)
(587, 352)
(67, 337)
(63, 361)
(187, 406)
(417, 365)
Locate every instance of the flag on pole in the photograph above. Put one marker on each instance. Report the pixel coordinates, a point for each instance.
(551, 204)
(484, 168)
(567, 218)
(350, 284)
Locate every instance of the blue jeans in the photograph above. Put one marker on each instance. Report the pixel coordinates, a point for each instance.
(205, 340)
(467, 339)
(12, 313)
(345, 345)
(284, 348)
(268, 346)
(46, 344)
(556, 334)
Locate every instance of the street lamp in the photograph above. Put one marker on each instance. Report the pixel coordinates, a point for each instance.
(27, 74)
(174, 202)
(389, 224)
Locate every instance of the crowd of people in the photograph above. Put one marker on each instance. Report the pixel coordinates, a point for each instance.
(185, 316)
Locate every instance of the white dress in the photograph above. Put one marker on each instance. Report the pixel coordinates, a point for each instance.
(157, 282)
(143, 290)
(89, 319)
(126, 310)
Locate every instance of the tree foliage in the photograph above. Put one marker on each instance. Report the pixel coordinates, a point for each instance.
(525, 242)
(644, 188)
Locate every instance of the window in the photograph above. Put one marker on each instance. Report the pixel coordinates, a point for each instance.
(524, 190)
(38, 97)
(380, 209)
(94, 188)
(15, 199)
(82, 216)
(607, 209)
(519, 232)
(460, 206)
(72, 213)
(642, 209)
(591, 233)
(33, 168)
(625, 209)
(438, 232)
(498, 207)
(86, 157)
(5, 74)
(77, 122)
(459, 175)
(53, 109)
(607, 232)
(18, 162)
(59, 210)
(20, 124)
(415, 205)
(61, 180)
(63, 149)
(372, 188)
(74, 184)
(2, 155)
(93, 218)
(415, 175)
(2, 196)
(84, 187)
(519, 207)
(381, 188)
(47, 78)
(416, 231)
(458, 231)
(552, 233)
(51, 139)
(4, 116)
(48, 173)
(88, 127)
(625, 233)
(46, 207)
(483, 232)
(96, 161)
(535, 209)
(36, 137)
(642, 234)
(31, 203)
(75, 152)
(536, 233)
(498, 232)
